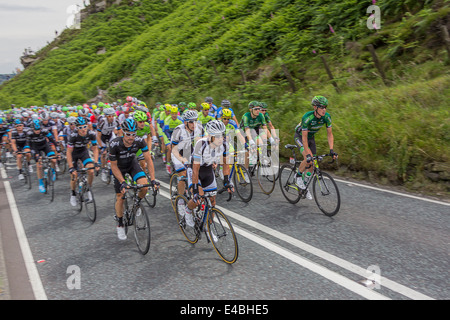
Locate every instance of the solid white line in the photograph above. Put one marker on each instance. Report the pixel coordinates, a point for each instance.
(410, 293)
(394, 192)
(30, 265)
(314, 267)
(324, 272)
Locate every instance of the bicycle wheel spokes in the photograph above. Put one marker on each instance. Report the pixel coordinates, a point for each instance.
(243, 183)
(180, 213)
(266, 176)
(287, 183)
(326, 194)
(142, 233)
(173, 188)
(89, 203)
(222, 236)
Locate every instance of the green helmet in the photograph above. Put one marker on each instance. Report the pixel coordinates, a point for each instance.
(253, 104)
(182, 104)
(319, 101)
(140, 116)
(263, 105)
(65, 109)
(192, 105)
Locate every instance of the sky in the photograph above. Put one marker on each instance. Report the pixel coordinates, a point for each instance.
(30, 24)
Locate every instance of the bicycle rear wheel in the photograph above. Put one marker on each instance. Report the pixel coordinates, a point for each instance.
(89, 204)
(243, 183)
(287, 183)
(326, 194)
(50, 187)
(222, 236)
(142, 233)
(265, 176)
(180, 205)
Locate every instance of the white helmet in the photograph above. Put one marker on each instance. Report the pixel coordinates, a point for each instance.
(190, 115)
(215, 127)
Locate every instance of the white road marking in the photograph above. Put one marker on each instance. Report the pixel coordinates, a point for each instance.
(392, 285)
(393, 192)
(30, 265)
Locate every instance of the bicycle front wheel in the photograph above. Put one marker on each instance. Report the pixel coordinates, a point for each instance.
(222, 236)
(287, 183)
(50, 188)
(243, 183)
(142, 233)
(173, 188)
(189, 232)
(326, 194)
(89, 204)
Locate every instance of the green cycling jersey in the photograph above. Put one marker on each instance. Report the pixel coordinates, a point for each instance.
(312, 124)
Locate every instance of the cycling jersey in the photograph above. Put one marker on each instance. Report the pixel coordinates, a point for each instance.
(126, 155)
(4, 131)
(79, 145)
(220, 113)
(185, 140)
(170, 125)
(207, 154)
(106, 127)
(20, 138)
(248, 121)
(204, 119)
(312, 124)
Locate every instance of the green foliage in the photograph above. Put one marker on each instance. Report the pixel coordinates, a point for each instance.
(251, 40)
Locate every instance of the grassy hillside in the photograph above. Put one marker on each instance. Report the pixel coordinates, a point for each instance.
(394, 130)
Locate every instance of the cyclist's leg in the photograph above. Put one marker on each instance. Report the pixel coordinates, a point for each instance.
(88, 163)
(139, 177)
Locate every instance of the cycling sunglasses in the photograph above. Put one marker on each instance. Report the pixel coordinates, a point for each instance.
(130, 134)
(82, 127)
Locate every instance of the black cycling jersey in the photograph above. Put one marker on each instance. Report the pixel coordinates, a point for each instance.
(125, 155)
(80, 142)
(20, 137)
(39, 139)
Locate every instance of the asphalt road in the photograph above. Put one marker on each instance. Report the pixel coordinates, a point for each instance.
(286, 252)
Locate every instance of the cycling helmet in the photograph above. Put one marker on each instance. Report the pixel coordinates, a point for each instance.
(45, 116)
(215, 127)
(205, 106)
(109, 111)
(190, 115)
(253, 104)
(25, 114)
(71, 120)
(83, 112)
(319, 101)
(97, 112)
(16, 122)
(208, 99)
(140, 116)
(129, 98)
(226, 104)
(1, 120)
(182, 104)
(54, 115)
(80, 121)
(36, 125)
(129, 125)
(192, 105)
(174, 110)
(226, 113)
(101, 105)
(62, 116)
(263, 105)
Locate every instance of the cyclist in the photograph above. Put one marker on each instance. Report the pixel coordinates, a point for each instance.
(147, 132)
(212, 107)
(123, 161)
(311, 123)
(19, 143)
(4, 135)
(204, 116)
(183, 140)
(207, 151)
(226, 104)
(271, 132)
(107, 129)
(38, 139)
(77, 150)
(254, 126)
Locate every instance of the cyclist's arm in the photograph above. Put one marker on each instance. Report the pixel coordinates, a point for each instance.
(69, 155)
(330, 137)
(305, 143)
(99, 139)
